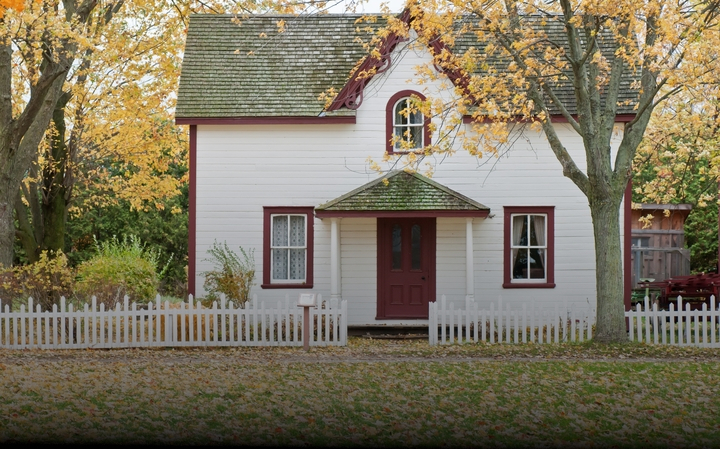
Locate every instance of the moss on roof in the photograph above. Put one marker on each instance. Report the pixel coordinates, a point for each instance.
(249, 69)
(402, 191)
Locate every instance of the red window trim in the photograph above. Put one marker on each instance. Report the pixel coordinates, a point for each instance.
(389, 113)
(267, 212)
(507, 253)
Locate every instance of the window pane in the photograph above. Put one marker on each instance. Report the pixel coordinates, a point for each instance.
(280, 231)
(399, 137)
(537, 230)
(280, 263)
(297, 264)
(401, 113)
(520, 262)
(416, 250)
(537, 264)
(416, 117)
(297, 230)
(416, 136)
(397, 247)
(519, 230)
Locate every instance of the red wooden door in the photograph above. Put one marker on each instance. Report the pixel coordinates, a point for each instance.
(406, 267)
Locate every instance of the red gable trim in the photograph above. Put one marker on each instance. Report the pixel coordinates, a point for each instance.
(265, 120)
(619, 118)
(351, 95)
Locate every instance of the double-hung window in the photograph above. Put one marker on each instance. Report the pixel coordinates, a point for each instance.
(287, 250)
(529, 247)
(408, 126)
(408, 130)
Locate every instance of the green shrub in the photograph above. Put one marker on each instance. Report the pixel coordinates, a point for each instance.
(45, 280)
(119, 269)
(232, 275)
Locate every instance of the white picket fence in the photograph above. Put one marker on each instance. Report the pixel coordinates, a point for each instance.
(675, 326)
(531, 324)
(176, 325)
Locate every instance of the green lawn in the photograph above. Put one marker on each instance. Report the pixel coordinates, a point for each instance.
(371, 393)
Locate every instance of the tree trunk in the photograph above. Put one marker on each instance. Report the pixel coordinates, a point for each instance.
(7, 225)
(608, 270)
(16, 156)
(54, 195)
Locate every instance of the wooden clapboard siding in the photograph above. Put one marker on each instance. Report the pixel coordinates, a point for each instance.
(241, 168)
(359, 273)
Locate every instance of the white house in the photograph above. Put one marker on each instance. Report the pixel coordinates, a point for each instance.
(274, 170)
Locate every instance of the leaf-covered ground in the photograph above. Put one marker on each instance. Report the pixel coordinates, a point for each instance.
(370, 393)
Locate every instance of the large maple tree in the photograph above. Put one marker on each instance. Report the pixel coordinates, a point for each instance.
(514, 72)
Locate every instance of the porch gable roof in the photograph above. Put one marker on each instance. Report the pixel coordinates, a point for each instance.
(399, 193)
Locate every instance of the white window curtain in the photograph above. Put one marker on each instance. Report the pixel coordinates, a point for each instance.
(538, 258)
(288, 247)
(518, 255)
(529, 247)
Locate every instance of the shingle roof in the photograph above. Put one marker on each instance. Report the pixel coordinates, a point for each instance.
(229, 70)
(555, 32)
(402, 192)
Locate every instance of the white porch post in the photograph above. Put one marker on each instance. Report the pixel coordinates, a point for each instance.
(469, 268)
(335, 292)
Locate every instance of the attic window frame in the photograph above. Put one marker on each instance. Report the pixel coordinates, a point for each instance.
(390, 122)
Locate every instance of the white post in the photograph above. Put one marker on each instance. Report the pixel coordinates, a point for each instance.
(335, 292)
(469, 269)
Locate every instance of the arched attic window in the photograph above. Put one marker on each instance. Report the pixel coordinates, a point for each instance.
(407, 129)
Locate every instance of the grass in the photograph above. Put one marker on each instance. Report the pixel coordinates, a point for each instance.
(370, 393)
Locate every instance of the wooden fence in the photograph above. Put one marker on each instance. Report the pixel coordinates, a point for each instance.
(166, 324)
(675, 326)
(505, 325)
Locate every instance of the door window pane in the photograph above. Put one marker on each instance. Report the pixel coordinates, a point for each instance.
(397, 247)
(416, 249)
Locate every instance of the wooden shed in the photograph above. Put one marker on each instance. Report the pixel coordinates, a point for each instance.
(658, 252)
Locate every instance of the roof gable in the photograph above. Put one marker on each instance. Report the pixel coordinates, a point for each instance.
(400, 191)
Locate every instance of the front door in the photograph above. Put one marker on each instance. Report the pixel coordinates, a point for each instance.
(406, 267)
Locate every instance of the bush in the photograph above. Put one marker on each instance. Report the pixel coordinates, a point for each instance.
(46, 281)
(119, 269)
(232, 275)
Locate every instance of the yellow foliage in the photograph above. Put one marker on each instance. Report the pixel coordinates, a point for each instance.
(17, 5)
(45, 281)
